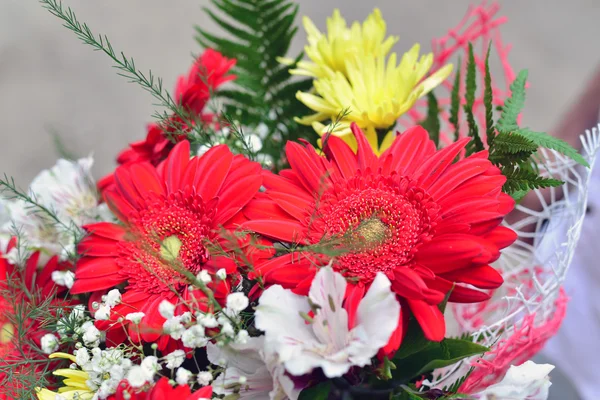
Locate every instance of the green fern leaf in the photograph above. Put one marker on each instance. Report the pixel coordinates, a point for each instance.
(513, 143)
(514, 104)
(455, 103)
(488, 101)
(471, 87)
(550, 142)
(432, 122)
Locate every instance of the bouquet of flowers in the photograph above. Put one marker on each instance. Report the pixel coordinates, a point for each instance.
(326, 225)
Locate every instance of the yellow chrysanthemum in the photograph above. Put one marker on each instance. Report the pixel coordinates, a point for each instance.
(75, 383)
(374, 94)
(328, 53)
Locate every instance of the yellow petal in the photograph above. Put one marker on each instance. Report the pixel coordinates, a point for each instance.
(63, 355)
(72, 373)
(435, 79)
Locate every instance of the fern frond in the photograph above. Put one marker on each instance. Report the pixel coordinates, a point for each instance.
(488, 101)
(471, 87)
(513, 105)
(260, 31)
(455, 103)
(432, 122)
(513, 143)
(523, 179)
(550, 142)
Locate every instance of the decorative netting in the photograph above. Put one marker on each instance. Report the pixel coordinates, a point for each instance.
(529, 308)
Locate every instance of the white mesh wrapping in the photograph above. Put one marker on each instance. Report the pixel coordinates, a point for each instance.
(530, 305)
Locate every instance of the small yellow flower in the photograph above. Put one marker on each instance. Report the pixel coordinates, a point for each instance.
(374, 94)
(75, 383)
(328, 52)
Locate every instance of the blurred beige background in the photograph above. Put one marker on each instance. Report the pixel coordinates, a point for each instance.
(49, 81)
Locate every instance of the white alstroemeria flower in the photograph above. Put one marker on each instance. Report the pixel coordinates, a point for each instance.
(69, 192)
(529, 381)
(264, 377)
(327, 342)
(69, 189)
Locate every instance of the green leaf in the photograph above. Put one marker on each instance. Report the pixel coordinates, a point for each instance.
(518, 195)
(455, 103)
(442, 305)
(413, 342)
(432, 122)
(513, 143)
(436, 355)
(550, 142)
(488, 101)
(513, 105)
(317, 392)
(524, 178)
(471, 87)
(238, 33)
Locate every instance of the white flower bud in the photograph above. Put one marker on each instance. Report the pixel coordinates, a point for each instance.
(135, 317)
(49, 343)
(204, 378)
(175, 359)
(63, 278)
(204, 277)
(113, 298)
(166, 309)
(237, 302)
(182, 376)
(103, 313)
(222, 274)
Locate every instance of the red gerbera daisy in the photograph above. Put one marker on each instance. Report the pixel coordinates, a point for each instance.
(23, 291)
(192, 92)
(168, 215)
(430, 223)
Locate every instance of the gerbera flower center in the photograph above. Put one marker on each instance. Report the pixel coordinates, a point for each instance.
(168, 237)
(391, 216)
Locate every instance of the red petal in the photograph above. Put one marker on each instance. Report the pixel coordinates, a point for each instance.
(502, 236)
(311, 175)
(213, 167)
(483, 277)
(409, 150)
(457, 174)
(265, 208)
(97, 246)
(341, 154)
(175, 165)
(293, 205)
(430, 318)
(94, 267)
(428, 172)
(107, 230)
(284, 230)
(234, 197)
(454, 251)
(126, 187)
(353, 296)
(146, 179)
(460, 294)
(409, 284)
(282, 184)
(364, 155)
(118, 205)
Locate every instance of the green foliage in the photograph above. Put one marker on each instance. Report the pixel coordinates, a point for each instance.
(488, 100)
(513, 149)
(432, 122)
(544, 140)
(260, 32)
(435, 355)
(455, 103)
(513, 105)
(523, 179)
(476, 144)
(317, 392)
